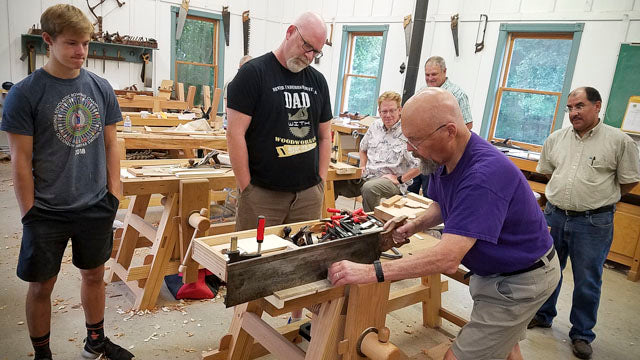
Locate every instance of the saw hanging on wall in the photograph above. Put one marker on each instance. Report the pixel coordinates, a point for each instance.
(182, 17)
(246, 30)
(454, 32)
(98, 36)
(480, 43)
(225, 23)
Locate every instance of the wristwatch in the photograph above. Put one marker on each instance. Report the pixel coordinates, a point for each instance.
(379, 273)
(399, 178)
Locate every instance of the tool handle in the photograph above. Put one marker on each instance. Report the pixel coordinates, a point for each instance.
(337, 217)
(333, 210)
(260, 231)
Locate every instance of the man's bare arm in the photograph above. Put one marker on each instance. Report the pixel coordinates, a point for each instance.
(22, 170)
(113, 160)
(237, 126)
(324, 148)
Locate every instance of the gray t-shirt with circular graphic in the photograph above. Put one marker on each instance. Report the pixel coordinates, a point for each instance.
(66, 118)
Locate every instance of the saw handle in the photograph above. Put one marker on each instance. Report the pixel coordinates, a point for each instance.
(260, 230)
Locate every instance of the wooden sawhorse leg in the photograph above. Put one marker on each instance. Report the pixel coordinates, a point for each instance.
(135, 214)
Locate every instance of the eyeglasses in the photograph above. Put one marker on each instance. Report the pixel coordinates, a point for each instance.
(577, 108)
(415, 146)
(317, 54)
(385, 112)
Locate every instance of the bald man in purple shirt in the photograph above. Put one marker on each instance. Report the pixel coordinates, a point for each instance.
(492, 225)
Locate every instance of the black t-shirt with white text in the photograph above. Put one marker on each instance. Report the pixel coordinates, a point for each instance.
(286, 109)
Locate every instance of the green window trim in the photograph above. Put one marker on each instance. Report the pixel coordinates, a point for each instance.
(343, 59)
(221, 45)
(498, 63)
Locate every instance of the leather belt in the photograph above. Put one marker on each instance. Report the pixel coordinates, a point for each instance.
(538, 264)
(588, 212)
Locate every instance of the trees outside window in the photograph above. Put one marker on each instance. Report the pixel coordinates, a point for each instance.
(195, 56)
(528, 100)
(361, 65)
(531, 80)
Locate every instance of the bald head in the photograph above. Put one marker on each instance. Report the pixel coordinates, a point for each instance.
(313, 28)
(304, 40)
(432, 123)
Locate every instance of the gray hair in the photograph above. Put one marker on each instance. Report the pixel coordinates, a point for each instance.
(437, 60)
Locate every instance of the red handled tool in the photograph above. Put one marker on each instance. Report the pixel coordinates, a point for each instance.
(260, 232)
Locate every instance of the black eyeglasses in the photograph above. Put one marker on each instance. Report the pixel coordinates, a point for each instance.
(415, 147)
(317, 54)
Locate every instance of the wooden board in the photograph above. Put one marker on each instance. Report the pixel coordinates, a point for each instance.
(412, 206)
(256, 278)
(271, 243)
(342, 168)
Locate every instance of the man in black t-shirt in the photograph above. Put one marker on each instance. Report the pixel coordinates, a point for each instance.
(279, 134)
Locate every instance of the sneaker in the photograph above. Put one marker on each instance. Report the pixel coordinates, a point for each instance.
(535, 322)
(581, 349)
(107, 349)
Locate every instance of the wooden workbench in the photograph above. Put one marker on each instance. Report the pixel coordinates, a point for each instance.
(625, 248)
(343, 132)
(344, 311)
(188, 144)
(181, 197)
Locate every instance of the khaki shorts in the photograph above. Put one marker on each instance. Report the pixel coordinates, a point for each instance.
(278, 207)
(502, 308)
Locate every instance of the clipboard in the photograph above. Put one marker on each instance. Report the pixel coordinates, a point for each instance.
(631, 119)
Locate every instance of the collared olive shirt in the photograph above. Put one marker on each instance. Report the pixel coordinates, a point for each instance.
(387, 152)
(586, 172)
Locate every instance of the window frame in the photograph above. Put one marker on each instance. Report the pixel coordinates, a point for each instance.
(218, 50)
(346, 53)
(502, 60)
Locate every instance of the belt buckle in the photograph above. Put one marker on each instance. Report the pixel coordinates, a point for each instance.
(567, 212)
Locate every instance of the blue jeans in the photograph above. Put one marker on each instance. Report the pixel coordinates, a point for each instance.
(586, 239)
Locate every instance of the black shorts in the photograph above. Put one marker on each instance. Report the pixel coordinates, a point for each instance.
(45, 235)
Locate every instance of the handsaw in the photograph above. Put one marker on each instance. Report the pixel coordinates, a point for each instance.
(246, 30)
(408, 29)
(225, 23)
(182, 17)
(454, 32)
(480, 44)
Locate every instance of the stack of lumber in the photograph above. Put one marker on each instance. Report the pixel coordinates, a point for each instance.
(153, 103)
(411, 205)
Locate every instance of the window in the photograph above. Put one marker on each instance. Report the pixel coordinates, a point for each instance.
(532, 76)
(361, 63)
(195, 56)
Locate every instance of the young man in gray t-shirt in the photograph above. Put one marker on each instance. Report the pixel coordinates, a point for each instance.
(60, 121)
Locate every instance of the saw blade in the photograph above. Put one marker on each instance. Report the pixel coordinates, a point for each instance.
(246, 30)
(454, 32)
(182, 17)
(225, 23)
(408, 29)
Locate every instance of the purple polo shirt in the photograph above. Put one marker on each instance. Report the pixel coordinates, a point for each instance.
(486, 197)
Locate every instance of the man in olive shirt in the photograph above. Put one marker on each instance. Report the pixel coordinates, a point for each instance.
(590, 165)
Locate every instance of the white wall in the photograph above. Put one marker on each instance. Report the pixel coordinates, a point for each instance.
(607, 24)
